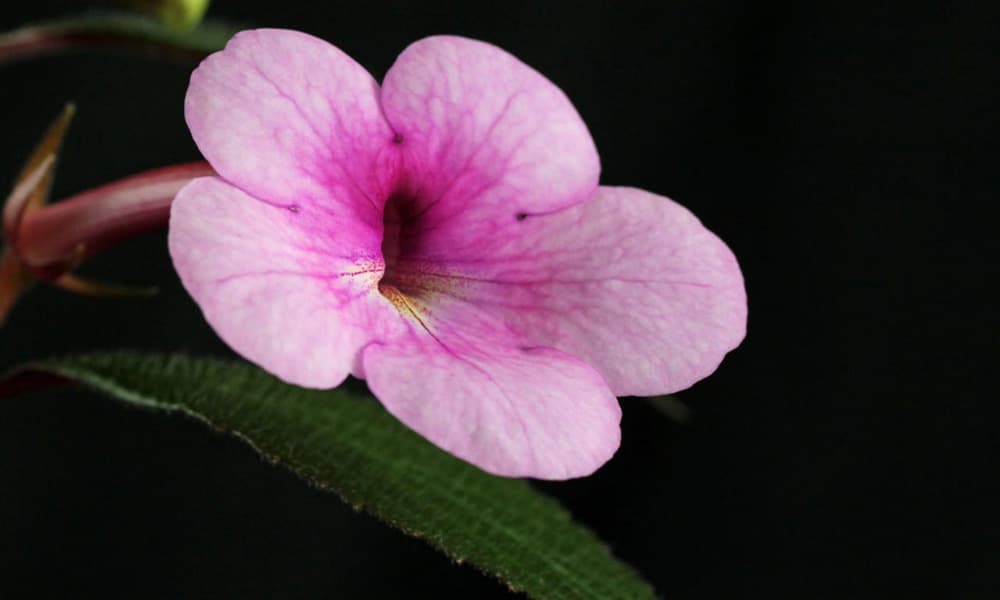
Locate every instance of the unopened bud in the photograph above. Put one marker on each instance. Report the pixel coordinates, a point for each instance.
(182, 15)
(48, 242)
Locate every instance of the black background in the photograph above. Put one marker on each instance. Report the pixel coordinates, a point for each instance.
(848, 156)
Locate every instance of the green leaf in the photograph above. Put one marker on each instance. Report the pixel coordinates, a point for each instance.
(115, 30)
(349, 444)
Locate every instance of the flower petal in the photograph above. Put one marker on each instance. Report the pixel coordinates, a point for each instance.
(276, 287)
(484, 139)
(512, 411)
(629, 282)
(293, 121)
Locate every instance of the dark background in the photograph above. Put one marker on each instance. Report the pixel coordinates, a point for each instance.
(847, 449)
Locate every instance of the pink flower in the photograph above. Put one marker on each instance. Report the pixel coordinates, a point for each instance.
(444, 237)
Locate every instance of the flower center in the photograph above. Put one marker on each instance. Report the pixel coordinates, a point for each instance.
(410, 281)
(399, 237)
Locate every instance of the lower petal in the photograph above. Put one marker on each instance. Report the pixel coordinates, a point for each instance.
(515, 412)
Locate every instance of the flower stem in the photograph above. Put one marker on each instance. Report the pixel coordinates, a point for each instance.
(116, 31)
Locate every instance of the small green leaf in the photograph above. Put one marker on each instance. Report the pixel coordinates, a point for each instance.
(114, 30)
(349, 444)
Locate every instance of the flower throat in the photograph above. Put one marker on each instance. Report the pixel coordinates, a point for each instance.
(399, 238)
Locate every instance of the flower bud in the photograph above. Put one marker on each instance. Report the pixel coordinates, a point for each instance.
(48, 242)
(182, 15)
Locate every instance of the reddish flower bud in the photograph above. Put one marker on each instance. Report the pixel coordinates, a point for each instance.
(47, 242)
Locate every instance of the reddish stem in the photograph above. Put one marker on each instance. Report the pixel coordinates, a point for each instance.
(38, 43)
(113, 30)
(56, 237)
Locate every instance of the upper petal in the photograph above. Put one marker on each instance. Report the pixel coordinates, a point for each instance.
(484, 138)
(630, 282)
(458, 378)
(277, 289)
(294, 121)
